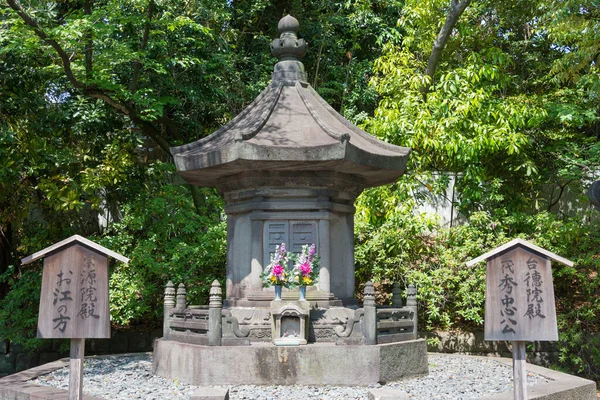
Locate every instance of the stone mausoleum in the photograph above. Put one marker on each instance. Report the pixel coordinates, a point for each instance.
(289, 168)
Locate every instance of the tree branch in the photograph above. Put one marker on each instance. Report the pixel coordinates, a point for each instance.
(456, 9)
(150, 130)
(88, 42)
(92, 90)
(318, 62)
(562, 189)
(16, 6)
(137, 66)
(104, 96)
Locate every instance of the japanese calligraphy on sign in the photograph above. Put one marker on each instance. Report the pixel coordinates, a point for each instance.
(520, 297)
(519, 302)
(74, 297)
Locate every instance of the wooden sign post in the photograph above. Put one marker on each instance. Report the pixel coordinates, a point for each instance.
(519, 301)
(74, 298)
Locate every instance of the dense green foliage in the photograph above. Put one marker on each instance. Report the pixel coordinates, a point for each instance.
(94, 93)
(504, 111)
(452, 296)
(86, 137)
(166, 240)
(513, 113)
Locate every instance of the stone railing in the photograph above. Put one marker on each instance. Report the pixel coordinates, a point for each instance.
(193, 324)
(398, 323)
(387, 324)
(213, 325)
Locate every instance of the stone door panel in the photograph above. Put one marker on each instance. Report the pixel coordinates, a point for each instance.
(294, 234)
(304, 232)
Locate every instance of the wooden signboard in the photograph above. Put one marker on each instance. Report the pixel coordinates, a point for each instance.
(519, 300)
(74, 298)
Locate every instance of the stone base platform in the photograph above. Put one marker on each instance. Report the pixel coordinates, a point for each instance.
(267, 364)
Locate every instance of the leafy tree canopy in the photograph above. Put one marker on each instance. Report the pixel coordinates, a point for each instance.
(508, 110)
(502, 96)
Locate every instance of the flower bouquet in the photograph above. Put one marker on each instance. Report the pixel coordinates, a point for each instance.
(306, 267)
(277, 272)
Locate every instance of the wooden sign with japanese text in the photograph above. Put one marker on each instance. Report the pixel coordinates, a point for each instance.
(519, 302)
(74, 301)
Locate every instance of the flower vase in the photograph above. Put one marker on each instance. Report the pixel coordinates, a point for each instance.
(302, 293)
(277, 292)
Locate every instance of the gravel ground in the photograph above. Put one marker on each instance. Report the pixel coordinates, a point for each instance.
(450, 377)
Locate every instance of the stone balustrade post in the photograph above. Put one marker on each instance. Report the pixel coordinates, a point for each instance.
(411, 302)
(168, 305)
(215, 307)
(370, 317)
(396, 296)
(181, 294)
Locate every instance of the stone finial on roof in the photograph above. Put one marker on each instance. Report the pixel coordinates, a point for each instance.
(288, 24)
(289, 50)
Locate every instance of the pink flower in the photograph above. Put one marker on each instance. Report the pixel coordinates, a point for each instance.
(305, 268)
(277, 270)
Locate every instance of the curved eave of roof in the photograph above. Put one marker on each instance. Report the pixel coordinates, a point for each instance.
(207, 169)
(293, 124)
(251, 118)
(252, 152)
(355, 132)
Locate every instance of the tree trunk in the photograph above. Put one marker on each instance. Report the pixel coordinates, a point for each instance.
(456, 10)
(5, 254)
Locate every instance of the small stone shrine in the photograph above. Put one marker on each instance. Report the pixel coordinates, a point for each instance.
(289, 322)
(289, 168)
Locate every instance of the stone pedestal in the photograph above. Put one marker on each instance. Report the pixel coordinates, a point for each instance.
(313, 364)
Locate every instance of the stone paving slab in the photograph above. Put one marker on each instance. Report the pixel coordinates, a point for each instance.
(15, 386)
(209, 393)
(562, 387)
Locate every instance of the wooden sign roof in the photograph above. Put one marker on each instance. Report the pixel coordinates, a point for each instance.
(75, 238)
(519, 243)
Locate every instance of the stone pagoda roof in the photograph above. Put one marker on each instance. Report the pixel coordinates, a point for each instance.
(289, 127)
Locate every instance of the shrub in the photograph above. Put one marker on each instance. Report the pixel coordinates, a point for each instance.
(166, 239)
(452, 296)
